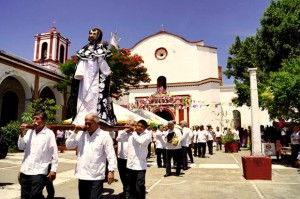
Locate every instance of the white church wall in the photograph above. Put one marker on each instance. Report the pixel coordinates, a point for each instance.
(202, 108)
(227, 94)
(208, 59)
(184, 63)
(140, 93)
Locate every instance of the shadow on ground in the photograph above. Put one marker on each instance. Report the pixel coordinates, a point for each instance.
(3, 184)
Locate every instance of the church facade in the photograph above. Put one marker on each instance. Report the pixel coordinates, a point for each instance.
(186, 84)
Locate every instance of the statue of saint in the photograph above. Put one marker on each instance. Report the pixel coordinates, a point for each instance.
(90, 91)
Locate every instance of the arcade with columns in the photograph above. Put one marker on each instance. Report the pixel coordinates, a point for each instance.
(23, 80)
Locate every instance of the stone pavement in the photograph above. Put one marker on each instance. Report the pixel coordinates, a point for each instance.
(216, 176)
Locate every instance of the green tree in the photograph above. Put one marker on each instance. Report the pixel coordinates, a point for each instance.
(277, 40)
(12, 134)
(282, 96)
(47, 105)
(127, 70)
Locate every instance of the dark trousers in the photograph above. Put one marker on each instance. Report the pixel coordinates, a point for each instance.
(49, 186)
(219, 143)
(50, 189)
(294, 153)
(176, 154)
(195, 149)
(149, 150)
(201, 149)
(123, 172)
(210, 146)
(137, 188)
(283, 140)
(184, 157)
(90, 189)
(190, 154)
(160, 154)
(32, 186)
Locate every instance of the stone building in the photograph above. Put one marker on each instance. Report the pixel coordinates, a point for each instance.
(21, 80)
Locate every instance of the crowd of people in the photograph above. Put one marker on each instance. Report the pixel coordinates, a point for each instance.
(95, 154)
(97, 158)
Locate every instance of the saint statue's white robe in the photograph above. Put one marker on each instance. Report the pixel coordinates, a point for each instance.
(87, 72)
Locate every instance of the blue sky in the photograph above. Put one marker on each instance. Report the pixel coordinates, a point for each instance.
(217, 22)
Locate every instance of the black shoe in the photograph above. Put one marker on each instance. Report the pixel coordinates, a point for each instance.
(185, 168)
(166, 175)
(122, 195)
(177, 174)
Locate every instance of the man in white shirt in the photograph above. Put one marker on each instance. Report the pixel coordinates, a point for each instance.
(94, 147)
(210, 139)
(60, 139)
(122, 140)
(189, 152)
(137, 160)
(202, 138)
(40, 151)
(236, 134)
(295, 140)
(283, 136)
(185, 142)
(195, 133)
(172, 150)
(160, 146)
(219, 135)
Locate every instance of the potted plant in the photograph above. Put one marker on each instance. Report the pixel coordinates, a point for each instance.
(231, 145)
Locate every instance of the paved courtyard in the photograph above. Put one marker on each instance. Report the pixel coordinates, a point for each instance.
(217, 176)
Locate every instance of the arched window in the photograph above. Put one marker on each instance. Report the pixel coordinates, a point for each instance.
(165, 114)
(47, 93)
(236, 118)
(9, 110)
(44, 52)
(161, 84)
(62, 54)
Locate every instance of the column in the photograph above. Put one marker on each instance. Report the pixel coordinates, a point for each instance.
(177, 115)
(255, 134)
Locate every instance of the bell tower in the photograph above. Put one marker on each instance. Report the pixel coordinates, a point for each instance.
(50, 48)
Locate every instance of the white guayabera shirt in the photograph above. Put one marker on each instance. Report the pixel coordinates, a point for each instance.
(40, 151)
(92, 152)
(138, 150)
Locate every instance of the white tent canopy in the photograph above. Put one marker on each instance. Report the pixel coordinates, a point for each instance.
(124, 115)
(151, 116)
